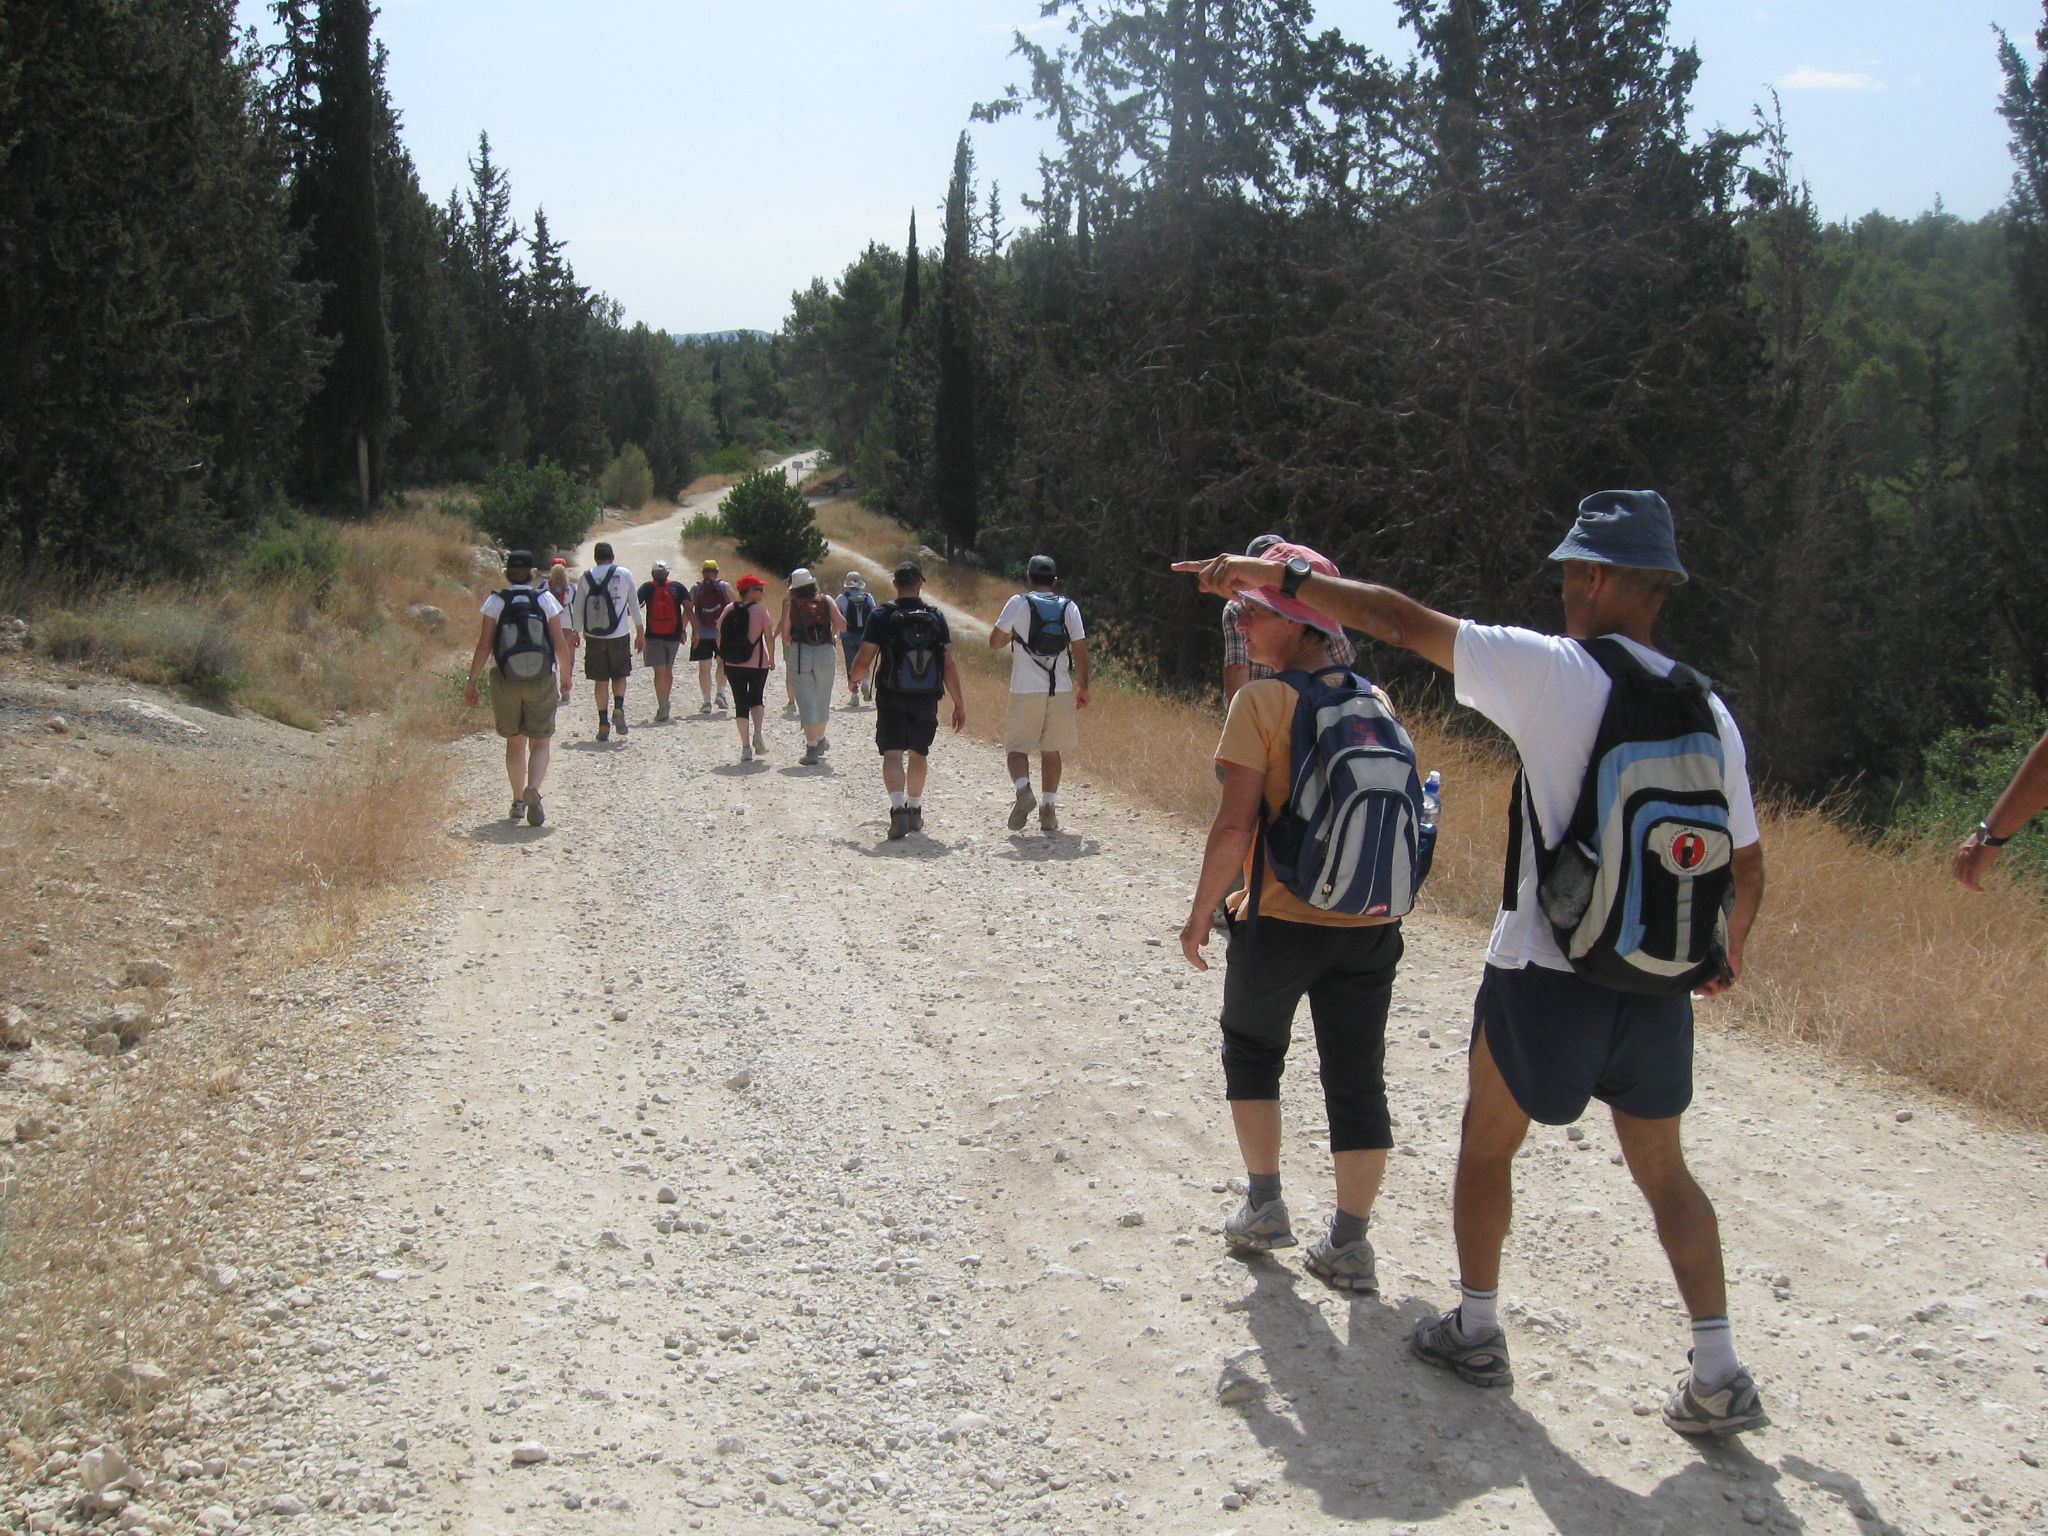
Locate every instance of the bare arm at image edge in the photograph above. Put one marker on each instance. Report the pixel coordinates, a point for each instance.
(2024, 799)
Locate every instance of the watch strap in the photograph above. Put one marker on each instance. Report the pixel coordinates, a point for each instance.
(1986, 840)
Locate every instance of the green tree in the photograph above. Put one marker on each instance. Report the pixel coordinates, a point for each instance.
(2019, 587)
(907, 307)
(771, 522)
(953, 488)
(538, 507)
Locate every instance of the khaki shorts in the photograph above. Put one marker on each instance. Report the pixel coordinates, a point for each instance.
(1041, 722)
(525, 706)
(607, 660)
(659, 652)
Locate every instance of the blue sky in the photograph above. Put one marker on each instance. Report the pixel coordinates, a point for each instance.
(703, 158)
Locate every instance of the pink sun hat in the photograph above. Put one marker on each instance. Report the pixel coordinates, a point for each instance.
(1293, 607)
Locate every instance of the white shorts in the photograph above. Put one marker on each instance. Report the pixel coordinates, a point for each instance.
(1041, 722)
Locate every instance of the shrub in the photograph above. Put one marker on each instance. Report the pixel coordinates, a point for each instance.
(732, 459)
(771, 522)
(700, 527)
(542, 507)
(292, 550)
(627, 481)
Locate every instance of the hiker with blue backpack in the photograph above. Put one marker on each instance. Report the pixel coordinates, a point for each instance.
(1048, 684)
(906, 650)
(522, 638)
(856, 606)
(1635, 871)
(1321, 813)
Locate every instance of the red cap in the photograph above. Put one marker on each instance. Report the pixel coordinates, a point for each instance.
(1293, 607)
(750, 581)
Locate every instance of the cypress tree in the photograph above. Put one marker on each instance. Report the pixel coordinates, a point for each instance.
(908, 311)
(953, 481)
(2019, 522)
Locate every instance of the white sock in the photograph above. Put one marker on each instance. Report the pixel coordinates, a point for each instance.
(1050, 797)
(914, 802)
(1713, 1353)
(897, 800)
(1023, 785)
(1478, 1311)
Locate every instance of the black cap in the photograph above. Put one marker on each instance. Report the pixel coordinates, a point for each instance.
(518, 559)
(909, 570)
(1041, 568)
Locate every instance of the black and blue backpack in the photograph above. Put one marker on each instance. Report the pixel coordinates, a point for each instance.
(1048, 638)
(1350, 837)
(1638, 889)
(916, 651)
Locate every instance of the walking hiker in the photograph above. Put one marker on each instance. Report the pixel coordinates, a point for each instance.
(708, 601)
(2024, 799)
(1654, 891)
(908, 640)
(1048, 684)
(1238, 666)
(856, 606)
(664, 602)
(605, 613)
(559, 586)
(746, 648)
(809, 624)
(523, 639)
(1341, 954)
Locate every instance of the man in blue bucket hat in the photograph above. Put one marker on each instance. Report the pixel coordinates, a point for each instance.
(1551, 1030)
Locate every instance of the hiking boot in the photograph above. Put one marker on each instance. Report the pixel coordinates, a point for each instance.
(916, 817)
(619, 716)
(535, 812)
(746, 753)
(1729, 1409)
(810, 757)
(824, 746)
(1349, 1268)
(604, 729)
(899, 822)
(1259, 1229)
(1482, 1361)
(1048, 818)
(660, 713)
(1020, 808)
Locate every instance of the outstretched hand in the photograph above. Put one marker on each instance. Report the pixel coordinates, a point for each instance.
(1228, 575)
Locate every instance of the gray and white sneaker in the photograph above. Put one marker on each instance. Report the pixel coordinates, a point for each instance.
(519, 809)
(760, 742)
(536, 813)
(704, 708)
(1483, 1361)
(1048, 817)
(1260, 1228)
(746, 753)
(1729, 1409)
(1020, 809)
(1349, 1268)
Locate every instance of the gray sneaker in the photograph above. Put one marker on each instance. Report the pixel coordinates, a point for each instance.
(704, 708)
(1259, 1229)
(760, 742)
(660, 713)
(1482, 1361)
(619, 717)
(1020, 809)
(810, 756)
(746, 753)
(536, 813)
(1048, 818)
(1729, 1409)
(519, 809)
(1349, 1268)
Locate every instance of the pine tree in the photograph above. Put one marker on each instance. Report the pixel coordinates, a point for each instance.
(907, 312)
(954, 486)
(2020, 500)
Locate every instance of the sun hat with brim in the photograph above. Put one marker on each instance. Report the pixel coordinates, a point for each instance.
(854, 579)
(1627, 528)
(1293, 608)
(802, 577)
(750, 583)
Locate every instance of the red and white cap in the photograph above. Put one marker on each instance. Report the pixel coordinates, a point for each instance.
(1293, 607)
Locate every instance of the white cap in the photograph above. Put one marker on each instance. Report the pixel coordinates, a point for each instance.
(802, 577)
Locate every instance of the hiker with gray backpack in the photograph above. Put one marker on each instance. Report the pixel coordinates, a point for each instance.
(607, 615)
(1048, 684)
(1322, 814)
(1634, 874)
(522, 638)
(906, 650)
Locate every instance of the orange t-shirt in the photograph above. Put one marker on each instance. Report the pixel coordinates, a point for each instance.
(1258, 733)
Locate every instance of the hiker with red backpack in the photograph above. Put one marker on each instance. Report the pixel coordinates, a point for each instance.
(663, 601)
(522, 637)
(746, 648)
(808, 628)
(1321, 813)
(1635, 871)
(708, 601)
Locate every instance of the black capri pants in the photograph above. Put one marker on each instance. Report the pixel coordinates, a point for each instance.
(1348, 975)
(748, 684)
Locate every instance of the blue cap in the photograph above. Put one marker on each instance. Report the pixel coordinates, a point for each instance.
(1628, 528)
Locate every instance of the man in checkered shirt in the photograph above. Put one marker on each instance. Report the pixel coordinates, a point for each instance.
(1238, 667)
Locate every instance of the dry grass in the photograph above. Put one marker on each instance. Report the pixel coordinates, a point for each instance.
(706, 483)
(650, 511)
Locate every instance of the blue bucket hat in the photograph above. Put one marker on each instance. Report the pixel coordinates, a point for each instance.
(1628, 528)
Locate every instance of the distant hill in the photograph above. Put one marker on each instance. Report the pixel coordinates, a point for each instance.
(698, 338)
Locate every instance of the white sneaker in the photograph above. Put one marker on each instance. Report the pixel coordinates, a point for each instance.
(746, 753)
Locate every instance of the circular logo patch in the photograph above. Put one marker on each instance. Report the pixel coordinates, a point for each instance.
(1688, 850)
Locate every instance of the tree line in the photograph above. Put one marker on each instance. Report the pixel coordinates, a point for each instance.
(1411, 311)
(223, 289)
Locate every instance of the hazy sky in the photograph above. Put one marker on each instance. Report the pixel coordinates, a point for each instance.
(703, 158)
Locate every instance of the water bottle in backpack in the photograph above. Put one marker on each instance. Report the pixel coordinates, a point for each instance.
(1432, 798)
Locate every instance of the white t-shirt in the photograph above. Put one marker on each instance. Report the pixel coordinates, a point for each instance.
(1027, 672)
(625, 600)
(495, 603)
(1548, 694)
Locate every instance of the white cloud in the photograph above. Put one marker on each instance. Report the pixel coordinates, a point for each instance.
(1807, 78)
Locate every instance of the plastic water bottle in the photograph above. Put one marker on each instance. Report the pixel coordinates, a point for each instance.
(1432, 798)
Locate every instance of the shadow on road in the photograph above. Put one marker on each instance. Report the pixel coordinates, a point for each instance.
(916, 846)
(1049, 848)
(500, 829)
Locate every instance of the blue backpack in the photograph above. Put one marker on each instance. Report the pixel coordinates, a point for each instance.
(1350, 837)
(915, 652)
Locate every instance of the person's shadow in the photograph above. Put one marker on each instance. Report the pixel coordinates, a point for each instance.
(502, 829)
(1048, 848)
(918, 845)
(1379, 1435)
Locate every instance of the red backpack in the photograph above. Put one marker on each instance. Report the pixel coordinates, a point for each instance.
(812, 620)
(711, 599)
(664, 613)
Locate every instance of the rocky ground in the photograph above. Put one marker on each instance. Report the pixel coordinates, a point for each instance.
(703, 1161)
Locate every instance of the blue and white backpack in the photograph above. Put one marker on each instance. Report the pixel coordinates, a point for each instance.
(1638, 889)
(1350, 837)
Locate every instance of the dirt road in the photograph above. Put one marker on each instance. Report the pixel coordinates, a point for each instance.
(736, 1170)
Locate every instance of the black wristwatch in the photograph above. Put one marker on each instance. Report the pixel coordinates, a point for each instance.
(1986, 840)
(1298, 571)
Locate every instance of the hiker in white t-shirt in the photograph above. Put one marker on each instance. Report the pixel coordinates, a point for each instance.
(606, 611)
(1546, 1040)
(1048, 686)
(521, 637)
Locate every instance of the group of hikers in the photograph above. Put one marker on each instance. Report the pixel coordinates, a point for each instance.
(1634, 874)
(897, 655)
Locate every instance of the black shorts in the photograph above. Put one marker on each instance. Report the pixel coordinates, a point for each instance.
(906, 722)
(1348, 975)
(748, 684)
(607, 661)
(1559, 1040)
(704, 650)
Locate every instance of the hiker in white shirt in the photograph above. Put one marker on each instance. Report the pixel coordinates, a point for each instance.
(1046, 691)
(606, 611)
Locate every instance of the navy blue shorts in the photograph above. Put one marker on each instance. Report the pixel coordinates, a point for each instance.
(1559, 1041)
